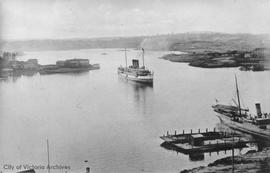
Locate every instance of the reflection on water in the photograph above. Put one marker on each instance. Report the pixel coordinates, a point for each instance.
(196, 156)
(19, 73)
(142, 93)
(200, 156)
(13, 77)
(113, 123)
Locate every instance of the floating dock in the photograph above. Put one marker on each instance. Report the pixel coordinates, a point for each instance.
(207, 141)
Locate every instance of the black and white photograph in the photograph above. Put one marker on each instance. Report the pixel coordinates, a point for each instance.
(134, 86)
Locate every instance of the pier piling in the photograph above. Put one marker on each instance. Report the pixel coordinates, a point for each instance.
(87, 170)
(198, 140)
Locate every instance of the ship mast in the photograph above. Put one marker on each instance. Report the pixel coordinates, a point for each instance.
(126, 56)
(48, 154)
(143, 57)
(238, 98)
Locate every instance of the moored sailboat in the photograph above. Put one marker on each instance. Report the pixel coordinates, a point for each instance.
(240, 119)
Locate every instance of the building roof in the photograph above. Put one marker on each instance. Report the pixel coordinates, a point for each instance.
(197, 136)
(77, 59)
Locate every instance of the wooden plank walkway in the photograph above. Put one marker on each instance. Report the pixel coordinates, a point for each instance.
(205, 141)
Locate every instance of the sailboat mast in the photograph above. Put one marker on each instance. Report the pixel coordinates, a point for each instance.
(143, 56)
(126, 56)
(48, 154)
(238, 98)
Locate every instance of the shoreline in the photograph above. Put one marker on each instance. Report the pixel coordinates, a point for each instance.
(252, 161)
(12, 67)
(254, 60)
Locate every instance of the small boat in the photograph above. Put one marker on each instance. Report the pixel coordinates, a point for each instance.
(238, 118)
(135, 72)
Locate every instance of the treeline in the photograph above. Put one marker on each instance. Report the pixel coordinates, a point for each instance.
(201, 42)
(71, 44)
(188, 42)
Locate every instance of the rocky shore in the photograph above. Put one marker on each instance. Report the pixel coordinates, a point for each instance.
(254, 59)
(206, 60)
(251, 162)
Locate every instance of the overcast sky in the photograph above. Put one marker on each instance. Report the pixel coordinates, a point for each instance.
(38, 19)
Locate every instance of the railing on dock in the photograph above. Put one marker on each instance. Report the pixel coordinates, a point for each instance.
(208, 140)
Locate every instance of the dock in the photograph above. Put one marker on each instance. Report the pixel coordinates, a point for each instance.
(206, 141)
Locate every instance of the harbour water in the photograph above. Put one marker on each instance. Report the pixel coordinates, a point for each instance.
(113, 123)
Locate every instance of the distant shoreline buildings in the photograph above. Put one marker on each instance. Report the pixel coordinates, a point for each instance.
(9, 65)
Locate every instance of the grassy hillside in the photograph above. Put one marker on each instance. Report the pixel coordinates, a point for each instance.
(200, 42)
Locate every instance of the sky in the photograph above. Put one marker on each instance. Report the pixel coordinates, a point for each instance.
(60, 19)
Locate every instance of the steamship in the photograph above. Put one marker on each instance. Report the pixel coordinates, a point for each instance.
(136, 73)
(238, 118)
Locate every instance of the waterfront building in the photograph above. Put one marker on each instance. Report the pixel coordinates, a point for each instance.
(61, 63)
(77, 63)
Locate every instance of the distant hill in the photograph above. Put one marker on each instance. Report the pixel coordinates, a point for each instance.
(188, 42)
(199, 42)
(71, 44)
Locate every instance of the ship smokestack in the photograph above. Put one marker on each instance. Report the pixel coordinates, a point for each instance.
(258, 108)
(135, 63)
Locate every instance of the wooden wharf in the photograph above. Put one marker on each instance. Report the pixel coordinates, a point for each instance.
(206, 141)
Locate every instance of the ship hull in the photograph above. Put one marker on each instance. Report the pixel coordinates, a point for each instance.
(140, 79)
(245, 127)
